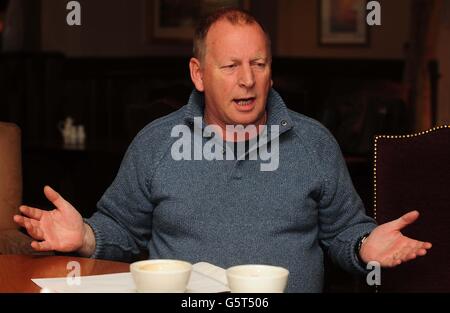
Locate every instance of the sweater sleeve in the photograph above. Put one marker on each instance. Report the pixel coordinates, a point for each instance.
(122, 223)
(342, 217)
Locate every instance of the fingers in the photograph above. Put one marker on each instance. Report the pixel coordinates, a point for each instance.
(415, 254)
(41, 246)
(31, 212)
(410, 252)
(19, 219)
(406, 220)
(392, 261)
(420, 245)
(30, 223)
(421, 252)
(54, 197)
(33, 229)
(422, 249)
(23, 221)
(32, 226)
(427, 245)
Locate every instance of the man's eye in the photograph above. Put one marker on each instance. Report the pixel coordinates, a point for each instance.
(259, 65)
(230, 66)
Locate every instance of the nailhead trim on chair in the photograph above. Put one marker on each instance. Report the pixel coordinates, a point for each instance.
(375, 161)
(375, 158)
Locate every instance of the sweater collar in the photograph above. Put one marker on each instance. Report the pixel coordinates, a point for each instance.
(277, 111)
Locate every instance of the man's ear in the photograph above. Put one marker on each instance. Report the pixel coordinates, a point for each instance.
(196, 74)
(271, 83)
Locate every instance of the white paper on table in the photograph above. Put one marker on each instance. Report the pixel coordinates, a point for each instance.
(205, 278)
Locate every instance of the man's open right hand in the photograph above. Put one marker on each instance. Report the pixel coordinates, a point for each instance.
(61, 229)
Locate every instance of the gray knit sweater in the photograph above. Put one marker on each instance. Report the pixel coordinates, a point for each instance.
(231, 212)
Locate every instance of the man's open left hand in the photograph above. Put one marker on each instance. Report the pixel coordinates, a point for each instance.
(388, 246)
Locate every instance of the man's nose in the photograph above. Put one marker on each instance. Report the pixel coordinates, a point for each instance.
(246, 77)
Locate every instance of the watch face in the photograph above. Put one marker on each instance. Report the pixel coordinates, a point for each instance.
(361, 241)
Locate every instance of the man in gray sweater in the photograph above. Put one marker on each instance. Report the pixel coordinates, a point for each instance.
(274, 191)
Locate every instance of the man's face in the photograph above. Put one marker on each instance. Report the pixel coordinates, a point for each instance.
(235, 74)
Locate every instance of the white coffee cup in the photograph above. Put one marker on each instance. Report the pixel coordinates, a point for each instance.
(254, 278)
(168, 276)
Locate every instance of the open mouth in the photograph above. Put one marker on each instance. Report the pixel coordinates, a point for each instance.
(245, 104)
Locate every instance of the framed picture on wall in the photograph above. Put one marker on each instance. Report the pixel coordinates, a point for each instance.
(175, 20)
(343, 22)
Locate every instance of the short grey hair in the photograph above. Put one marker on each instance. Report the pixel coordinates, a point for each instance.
(233, 15)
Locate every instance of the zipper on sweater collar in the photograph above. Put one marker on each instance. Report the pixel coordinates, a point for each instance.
(277, 111)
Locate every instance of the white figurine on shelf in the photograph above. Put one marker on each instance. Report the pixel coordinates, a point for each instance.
(81, 135)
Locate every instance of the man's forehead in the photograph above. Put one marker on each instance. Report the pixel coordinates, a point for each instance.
(225, 38)
(225, 26)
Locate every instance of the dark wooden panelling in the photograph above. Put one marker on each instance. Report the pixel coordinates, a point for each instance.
(114, 98)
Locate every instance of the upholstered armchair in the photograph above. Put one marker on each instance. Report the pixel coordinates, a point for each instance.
(412, 172)
(12, 241)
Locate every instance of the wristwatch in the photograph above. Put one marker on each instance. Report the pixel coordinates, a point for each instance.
(359, 245)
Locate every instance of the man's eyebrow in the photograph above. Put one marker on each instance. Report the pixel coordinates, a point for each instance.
(259, 59)
(237, 60)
